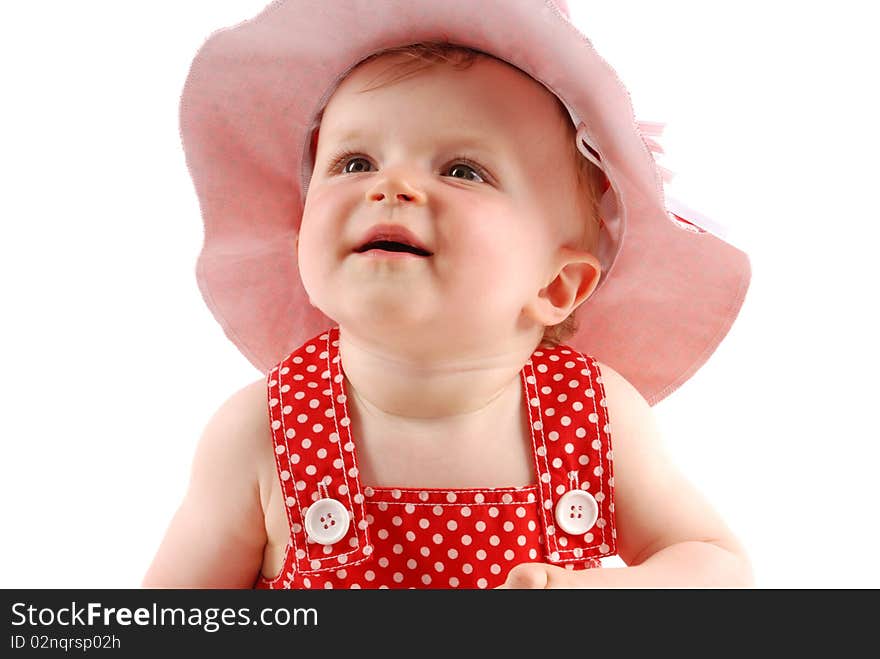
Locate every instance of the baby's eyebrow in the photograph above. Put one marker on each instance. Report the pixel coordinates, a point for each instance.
(459, 140)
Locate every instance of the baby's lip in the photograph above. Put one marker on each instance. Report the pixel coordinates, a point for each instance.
(392, 237)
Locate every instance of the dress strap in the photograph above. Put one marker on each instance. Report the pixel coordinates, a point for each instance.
(315, 457)
(571, 438)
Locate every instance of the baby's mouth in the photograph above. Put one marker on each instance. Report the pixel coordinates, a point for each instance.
(392, 246)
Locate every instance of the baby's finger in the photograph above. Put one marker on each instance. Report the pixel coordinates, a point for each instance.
(527, 575)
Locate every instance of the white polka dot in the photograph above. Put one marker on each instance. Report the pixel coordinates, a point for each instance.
(534, 402)
(383, 562)
(452, 553)
(285, 475)
(553, 435)
(495, 568)
(411, 564)
(521, 540)
(310, 470)
(556, 462)
(480, 526)
(598, 471)
(573, 384)
(467, 568)
(344, 421)
(437, 510)
(481, 554)
(279, 449)
(494, 540)
(438, 539)
(276, 425)
(424, 523)
(530, 379)
(493, 511)
(549, 411)
(302, 418)
(584, 459)
(450, 497)
(466, 540)
(396, 520)
(569, 448)
(565, 421)
(439, 567)
(397, 548)
(532, 525)
(423, 496)
(541, 451)
(509, 554)
(537, 425)
(546, 390)
(533, 554)
(451, 525)
(479, 498)
(542, 368)
(410, 536)
(520, 511)
(306, 443)
(409, 509)
(453, 581)
(397, 576)
(465, 511)
(482, 583)
(317, 427)
(425, 551)
(426, 579)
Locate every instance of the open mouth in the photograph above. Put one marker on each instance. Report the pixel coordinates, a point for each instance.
(392, 246)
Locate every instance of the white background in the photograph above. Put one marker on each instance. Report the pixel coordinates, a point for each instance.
(112, 364)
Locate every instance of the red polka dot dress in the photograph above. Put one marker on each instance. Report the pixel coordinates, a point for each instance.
(346, 535)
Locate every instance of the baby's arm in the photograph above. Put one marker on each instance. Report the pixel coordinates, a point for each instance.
(667, 534)
(217, 536)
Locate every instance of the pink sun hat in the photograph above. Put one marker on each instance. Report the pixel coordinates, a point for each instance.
(670, 289)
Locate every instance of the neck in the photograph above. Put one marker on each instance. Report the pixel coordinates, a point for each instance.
(440, 388)
(408, 410)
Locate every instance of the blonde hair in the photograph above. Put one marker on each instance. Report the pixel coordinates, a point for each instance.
(590, 179)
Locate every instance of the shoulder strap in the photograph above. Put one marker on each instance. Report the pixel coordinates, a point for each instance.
(571, 436)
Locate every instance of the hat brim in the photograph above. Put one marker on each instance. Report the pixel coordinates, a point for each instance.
(250, 104)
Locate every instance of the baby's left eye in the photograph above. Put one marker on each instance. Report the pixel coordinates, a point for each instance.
(461, 170)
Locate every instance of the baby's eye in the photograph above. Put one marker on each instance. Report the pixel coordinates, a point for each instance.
(460, 170)
(360, 165)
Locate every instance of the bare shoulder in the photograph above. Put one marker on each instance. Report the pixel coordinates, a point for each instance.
(217, 536)
(655, 505)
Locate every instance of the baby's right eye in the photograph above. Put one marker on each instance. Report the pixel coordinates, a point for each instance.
(356, 166)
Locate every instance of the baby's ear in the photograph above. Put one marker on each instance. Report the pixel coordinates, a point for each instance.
(576, 278)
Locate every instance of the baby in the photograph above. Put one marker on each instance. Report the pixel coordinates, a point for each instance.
(438, 431)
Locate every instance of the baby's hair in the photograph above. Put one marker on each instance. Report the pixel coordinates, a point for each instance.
(591, 180)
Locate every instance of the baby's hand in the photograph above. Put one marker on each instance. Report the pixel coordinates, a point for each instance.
(541, 575)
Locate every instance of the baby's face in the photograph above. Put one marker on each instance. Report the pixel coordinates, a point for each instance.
(474, 166)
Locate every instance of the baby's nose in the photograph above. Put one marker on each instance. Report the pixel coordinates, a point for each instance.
(396, 190)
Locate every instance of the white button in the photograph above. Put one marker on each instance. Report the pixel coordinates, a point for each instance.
(327, 521)
(576, 512)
